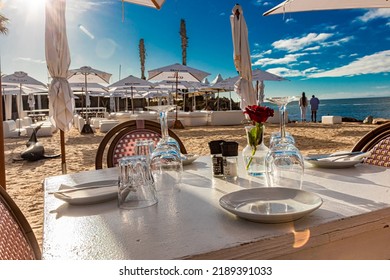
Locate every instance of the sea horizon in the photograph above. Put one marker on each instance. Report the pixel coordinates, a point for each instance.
(356, 108)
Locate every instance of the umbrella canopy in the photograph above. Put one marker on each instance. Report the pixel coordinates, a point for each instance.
(149, 3)
(241, 56)
(130, 83)
(260, 75)
(87, 74)
(177, 72)
(20, 79)
(291, 6)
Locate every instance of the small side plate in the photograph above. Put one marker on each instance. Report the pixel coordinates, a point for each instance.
(270, 205)
(190, 158)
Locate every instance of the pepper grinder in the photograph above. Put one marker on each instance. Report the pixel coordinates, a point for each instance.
(216, 157)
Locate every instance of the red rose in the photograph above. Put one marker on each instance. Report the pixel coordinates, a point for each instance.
(259, 114)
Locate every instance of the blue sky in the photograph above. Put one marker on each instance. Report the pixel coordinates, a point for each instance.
(333, 54)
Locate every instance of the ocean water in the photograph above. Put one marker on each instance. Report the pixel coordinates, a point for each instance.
(358, 108)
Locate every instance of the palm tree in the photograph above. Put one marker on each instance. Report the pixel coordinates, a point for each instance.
(184, 41)
(142, 55)
(3, 22)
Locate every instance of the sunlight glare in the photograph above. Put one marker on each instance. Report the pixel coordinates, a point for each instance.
(34, 6)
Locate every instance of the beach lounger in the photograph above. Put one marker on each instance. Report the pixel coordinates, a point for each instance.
(120, 141)
(10, 130)
(17, 239)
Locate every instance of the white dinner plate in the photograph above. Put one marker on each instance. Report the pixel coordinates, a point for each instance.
(190, 158)
(87, 193)
(325, 163)
(270, 205)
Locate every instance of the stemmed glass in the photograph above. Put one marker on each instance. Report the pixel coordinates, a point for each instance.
(284, 162)
(165, 161)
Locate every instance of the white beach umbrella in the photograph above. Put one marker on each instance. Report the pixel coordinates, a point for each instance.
(131, 83)
(88, 75)
(61, 101)
(21, 79)
(177, 72)
(242, 60)
(291, 6)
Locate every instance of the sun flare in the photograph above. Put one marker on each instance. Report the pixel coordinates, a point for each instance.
(34, 5)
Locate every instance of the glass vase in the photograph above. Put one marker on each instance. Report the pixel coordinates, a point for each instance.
(254, 153)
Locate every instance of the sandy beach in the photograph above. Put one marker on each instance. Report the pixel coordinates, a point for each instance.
(24, 179)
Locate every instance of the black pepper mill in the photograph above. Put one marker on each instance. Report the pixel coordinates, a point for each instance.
(216, 157)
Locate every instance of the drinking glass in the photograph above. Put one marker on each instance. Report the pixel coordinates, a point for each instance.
(282, 103)
(136, 184)
(284, 162)
(166, 162)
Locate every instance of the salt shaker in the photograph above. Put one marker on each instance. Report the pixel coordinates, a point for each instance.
(230, 160)
(216, 157)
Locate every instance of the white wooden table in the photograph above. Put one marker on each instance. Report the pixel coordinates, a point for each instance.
(188, 222)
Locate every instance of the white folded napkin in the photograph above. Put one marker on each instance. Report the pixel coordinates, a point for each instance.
(89, 193)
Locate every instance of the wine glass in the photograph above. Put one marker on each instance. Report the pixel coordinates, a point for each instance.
(282, 103)
(284, 162)
(166, 161)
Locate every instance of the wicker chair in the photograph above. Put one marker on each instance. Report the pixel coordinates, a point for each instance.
(120, 141)
(17, 239)
(378, 142)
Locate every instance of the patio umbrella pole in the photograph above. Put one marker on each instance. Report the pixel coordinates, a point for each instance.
(177, 124)
(63, 157)
(2, 159)
(87, 129)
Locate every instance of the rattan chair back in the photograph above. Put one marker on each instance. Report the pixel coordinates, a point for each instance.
(121, 139)
(378, 142)
(17, 239)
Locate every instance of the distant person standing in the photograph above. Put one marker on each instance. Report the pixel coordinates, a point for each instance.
(303, 103)
(314, 102)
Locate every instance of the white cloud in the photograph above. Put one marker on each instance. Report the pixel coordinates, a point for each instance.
(285, 72)
(315, 48)
(338, 42)
(289, 58)
(370, 64)
(261, 54)
(295, 44)
(374, 14)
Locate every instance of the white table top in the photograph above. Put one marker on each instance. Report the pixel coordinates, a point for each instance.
(188, 221)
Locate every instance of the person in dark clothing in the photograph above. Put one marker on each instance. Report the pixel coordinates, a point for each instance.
(314, 102)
